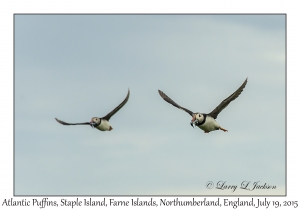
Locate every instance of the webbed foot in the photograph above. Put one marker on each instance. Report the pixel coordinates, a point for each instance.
(223, 129)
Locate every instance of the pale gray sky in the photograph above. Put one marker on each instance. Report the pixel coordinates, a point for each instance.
(75, 67)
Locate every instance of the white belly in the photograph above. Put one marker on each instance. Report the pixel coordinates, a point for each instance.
(210, 124)
(104, 125)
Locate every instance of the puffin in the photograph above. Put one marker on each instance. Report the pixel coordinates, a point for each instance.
(101, 123)
(207, 122)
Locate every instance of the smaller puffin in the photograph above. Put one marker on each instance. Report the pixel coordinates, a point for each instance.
(207, 122)
(102, 123)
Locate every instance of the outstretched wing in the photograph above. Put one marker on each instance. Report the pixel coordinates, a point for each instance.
(170, 101)
(109, 115)
(64, 123)
(225, 102)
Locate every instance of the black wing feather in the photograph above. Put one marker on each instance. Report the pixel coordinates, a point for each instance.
(225, 102)
(170, 101)
(109, 115)
(64, 123)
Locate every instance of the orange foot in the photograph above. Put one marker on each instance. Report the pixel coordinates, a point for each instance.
(223, 129)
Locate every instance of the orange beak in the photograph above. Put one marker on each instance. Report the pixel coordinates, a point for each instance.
(193, 118)
(192, 121)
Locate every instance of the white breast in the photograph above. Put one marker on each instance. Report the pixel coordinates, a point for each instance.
(104, 125)
(210, 124)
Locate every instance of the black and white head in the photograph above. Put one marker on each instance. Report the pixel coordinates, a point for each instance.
(196, 118)
(95, 121)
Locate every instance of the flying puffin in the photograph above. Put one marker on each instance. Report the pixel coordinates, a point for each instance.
(207, 122)
(102, 123)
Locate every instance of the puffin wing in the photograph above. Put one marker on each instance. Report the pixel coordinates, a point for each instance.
(170, 101)
(225, 102)
(64, 123)
(109, 115)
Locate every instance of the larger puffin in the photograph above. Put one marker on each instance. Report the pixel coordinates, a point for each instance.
(207, 122)
(102, 123)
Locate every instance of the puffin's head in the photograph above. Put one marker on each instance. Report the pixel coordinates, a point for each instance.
(95, 121)
(197, 117)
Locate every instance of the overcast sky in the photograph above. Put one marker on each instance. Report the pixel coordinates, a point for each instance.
(75, 67)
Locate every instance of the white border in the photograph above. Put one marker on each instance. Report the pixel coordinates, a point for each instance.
(8, 8)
